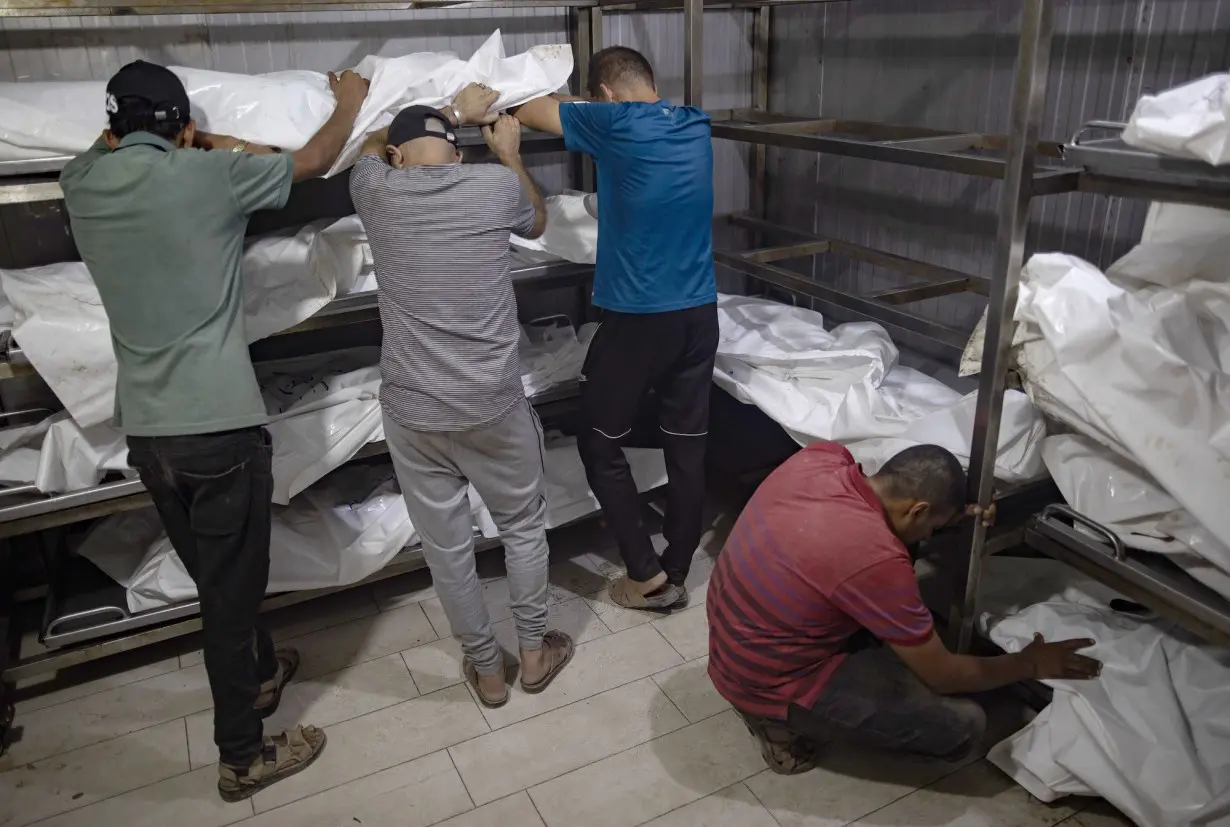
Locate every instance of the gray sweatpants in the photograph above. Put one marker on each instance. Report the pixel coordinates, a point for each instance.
(504, 463)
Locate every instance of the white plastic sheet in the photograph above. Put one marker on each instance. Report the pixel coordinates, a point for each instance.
(571, 233)
(845, 385)
(1151, 735)
(1138, 359)
(1189, 121)
(341, 530)
(41, 120)
(64, 331)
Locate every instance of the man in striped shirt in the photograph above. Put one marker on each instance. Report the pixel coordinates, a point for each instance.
(455, 413)
(817, 628)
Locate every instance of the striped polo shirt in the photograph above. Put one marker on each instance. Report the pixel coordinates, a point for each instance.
(810, 562)
(439, 240)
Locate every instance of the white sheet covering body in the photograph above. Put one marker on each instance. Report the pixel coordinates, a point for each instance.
(347, 527)
(845, 385)
(571, 233)
(1151, 735)
(284, 109)
(1138, 360)
(64, 331)
(1188, 121)
(323, 409)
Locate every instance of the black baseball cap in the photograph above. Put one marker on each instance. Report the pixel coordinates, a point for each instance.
(420, 122)
(156, 85)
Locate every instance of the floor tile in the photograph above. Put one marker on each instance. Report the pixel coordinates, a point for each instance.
(323, 701)
(732, 807)
(89, 687)
(536, 750)
(367, 638)
(32, 792)
(311, 616)
(1100, 813)
(687, 631)
(653, 779)
(596, 667)
(847, 785)
(110, 714)
(976, 796)
(573, 617)
(435, 665)
(514, 811)
(395, 592)
(383, 739)
(689, 687)
(414, 794)
(189, 800)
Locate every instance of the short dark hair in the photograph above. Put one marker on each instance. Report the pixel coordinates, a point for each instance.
(927, 473)
(618, 64)
(138, 115)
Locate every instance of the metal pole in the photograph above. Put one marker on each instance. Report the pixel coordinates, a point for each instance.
(761, 31)
(693, 51)
(586, 40)
(1028, 99)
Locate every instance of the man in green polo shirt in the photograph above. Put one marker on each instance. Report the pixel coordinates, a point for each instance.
(160, 224)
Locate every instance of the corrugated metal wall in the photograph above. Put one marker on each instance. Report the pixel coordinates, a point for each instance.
(92, 48)
(947, 64)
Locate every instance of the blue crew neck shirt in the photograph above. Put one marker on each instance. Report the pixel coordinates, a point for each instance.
(655, 202)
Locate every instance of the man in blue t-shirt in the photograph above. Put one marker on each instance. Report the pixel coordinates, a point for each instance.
(654, 283)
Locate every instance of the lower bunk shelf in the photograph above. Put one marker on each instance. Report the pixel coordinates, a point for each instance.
(1146, 578)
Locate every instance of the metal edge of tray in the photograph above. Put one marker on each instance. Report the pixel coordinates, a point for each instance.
(125, 495)
(1160, 586)
(1112, 158)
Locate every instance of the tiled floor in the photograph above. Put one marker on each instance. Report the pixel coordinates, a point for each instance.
(631, 734)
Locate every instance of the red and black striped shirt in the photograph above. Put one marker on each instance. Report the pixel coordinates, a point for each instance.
(810, 561)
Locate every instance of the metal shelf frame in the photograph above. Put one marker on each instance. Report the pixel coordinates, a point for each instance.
(1028, 168)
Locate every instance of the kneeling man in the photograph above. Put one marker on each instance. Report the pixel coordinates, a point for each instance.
(818, 632)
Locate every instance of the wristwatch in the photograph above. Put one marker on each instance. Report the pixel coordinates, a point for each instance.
(240, 147)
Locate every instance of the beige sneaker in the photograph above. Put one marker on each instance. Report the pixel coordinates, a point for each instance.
(282, 756)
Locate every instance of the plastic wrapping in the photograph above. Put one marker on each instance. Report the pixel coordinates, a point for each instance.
(571, 233)
(1189, 121)
(341, 530)
(284, 109)
(1138, 360)
(1150, 735)
(64, 332)
(845, 385)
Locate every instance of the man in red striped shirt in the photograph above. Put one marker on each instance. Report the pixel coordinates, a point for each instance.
(817, 629)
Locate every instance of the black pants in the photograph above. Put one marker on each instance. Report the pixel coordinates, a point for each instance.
(671, 353)
(213, 493)
(873, 699)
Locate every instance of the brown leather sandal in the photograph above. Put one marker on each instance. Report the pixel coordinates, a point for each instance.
(561, 648)
(281, 757)
(784, 752)
(665, 600)
(471, 673)
(271, 690)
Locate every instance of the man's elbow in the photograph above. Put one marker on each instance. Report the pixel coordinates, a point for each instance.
(310, 163)
(540, 226)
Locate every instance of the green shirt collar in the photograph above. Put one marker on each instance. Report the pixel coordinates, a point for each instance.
(145, 139)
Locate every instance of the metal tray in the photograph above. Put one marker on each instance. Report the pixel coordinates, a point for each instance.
(1112, 158)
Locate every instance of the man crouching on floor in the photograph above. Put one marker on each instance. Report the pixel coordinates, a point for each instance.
(818, 632)
(455, 413)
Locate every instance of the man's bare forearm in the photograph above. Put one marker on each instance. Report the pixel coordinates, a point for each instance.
(967, 673)
(531, 191)
(323, 148)
(541, 114)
